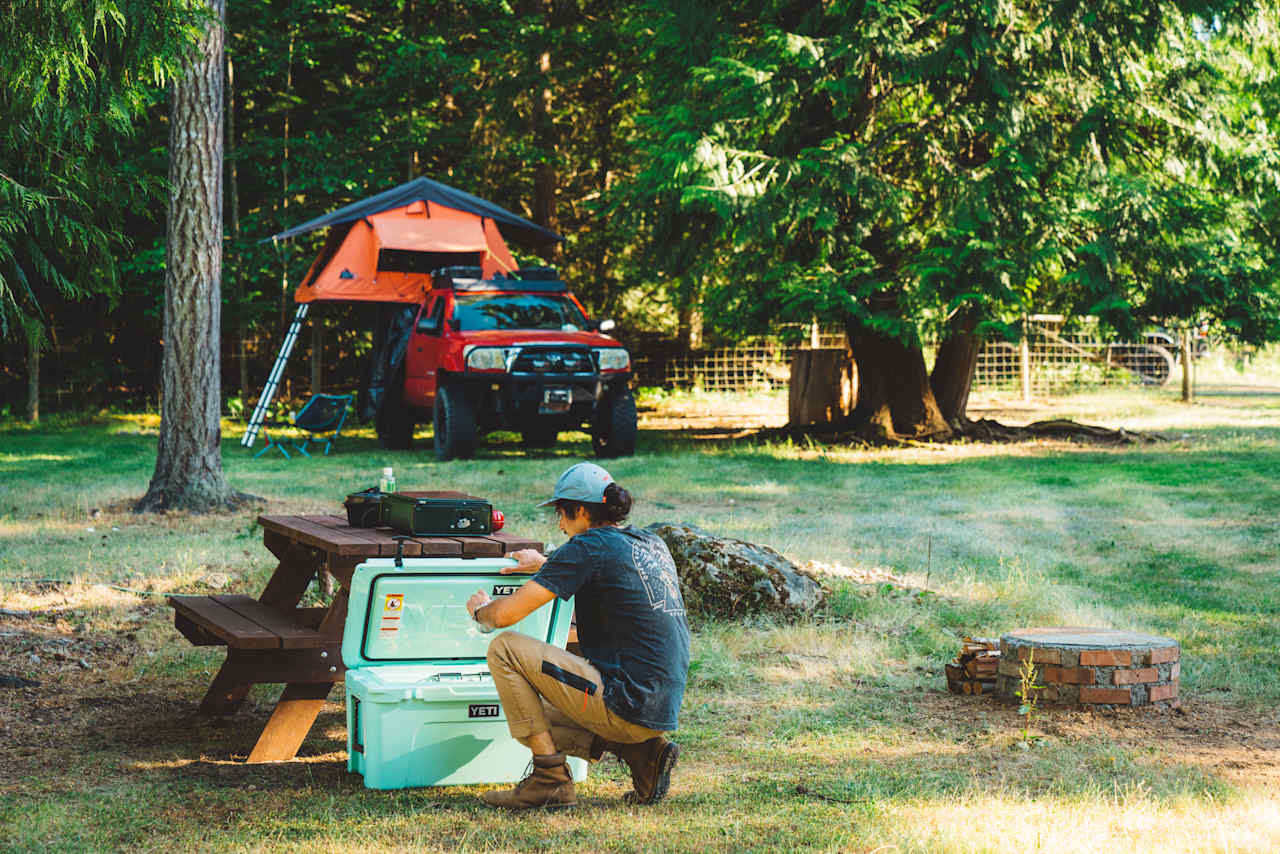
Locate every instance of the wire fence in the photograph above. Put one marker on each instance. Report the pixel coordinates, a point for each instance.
(756, 364)
(1048, 359)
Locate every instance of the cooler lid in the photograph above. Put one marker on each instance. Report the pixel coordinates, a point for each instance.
(416, 613)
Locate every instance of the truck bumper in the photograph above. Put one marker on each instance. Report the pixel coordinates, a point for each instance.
(559, 401)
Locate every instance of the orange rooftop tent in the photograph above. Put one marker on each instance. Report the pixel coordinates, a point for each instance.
(382, 250)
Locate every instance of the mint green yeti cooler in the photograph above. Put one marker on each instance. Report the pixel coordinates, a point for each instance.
(422, 709)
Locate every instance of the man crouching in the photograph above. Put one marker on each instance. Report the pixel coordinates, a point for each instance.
(623, 694)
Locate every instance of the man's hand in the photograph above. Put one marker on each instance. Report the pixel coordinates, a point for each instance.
(477, 601)
(508, 610)
(528, 561)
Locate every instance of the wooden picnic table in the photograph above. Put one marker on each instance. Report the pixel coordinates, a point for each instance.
(271, 639)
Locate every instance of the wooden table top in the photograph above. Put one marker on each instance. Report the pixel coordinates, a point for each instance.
(332, 534)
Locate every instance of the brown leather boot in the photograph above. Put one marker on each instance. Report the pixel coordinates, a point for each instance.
(548, 785)
(650, 763)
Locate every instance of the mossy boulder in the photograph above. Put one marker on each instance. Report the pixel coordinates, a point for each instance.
(725, 577)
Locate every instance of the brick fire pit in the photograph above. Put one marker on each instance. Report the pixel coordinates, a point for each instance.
(1099, 668)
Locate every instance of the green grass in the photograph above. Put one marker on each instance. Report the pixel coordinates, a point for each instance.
(828, 733)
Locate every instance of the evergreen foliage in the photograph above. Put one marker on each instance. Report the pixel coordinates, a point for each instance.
(910, 170)
(76, 76)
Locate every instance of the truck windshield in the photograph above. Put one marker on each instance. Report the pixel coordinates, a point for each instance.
(516, 311)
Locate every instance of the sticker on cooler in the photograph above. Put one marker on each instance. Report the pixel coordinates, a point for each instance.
(392, 605)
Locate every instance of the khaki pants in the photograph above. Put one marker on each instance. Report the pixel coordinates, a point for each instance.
(546, 689)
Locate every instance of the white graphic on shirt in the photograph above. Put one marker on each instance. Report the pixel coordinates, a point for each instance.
(658, 574)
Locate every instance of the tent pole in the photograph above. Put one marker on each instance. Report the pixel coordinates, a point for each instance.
(273, 380)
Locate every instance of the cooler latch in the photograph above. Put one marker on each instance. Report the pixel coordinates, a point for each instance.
(400, 538)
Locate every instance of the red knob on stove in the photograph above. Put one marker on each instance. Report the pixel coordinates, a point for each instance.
(498, 520)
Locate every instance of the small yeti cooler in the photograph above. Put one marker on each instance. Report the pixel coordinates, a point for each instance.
(422, 709)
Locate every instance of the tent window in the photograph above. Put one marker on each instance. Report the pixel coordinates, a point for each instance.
(409, 261)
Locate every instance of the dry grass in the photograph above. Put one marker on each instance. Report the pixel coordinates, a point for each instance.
(827, 734)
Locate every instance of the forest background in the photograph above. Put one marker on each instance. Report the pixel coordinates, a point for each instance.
(913, 172)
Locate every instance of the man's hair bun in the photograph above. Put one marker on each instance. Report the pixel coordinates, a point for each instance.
(617, 503)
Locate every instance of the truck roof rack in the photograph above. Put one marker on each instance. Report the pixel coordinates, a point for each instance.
(508, 285)
(544, 274)
(457, 272)
(540, 279)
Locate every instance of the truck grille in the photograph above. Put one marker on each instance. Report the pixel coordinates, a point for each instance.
(553, 361)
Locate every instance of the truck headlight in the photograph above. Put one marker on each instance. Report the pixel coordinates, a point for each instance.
(486, 359)
(613, 359)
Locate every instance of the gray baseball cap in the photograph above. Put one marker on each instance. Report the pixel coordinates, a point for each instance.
(581, 482)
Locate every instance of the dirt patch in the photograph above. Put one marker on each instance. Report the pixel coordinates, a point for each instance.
(73, 705)
(76, 708)
(720, 417)
(1237, 745)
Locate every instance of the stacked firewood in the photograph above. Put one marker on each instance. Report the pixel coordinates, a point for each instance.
(974, 669)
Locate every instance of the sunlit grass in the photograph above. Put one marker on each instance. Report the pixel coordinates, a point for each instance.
(824, 734)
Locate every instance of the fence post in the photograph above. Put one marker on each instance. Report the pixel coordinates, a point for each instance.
(1188, 394)
(1024, 367)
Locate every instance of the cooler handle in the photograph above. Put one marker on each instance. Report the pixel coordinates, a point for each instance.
(482, 691)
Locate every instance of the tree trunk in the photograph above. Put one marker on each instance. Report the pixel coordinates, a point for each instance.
(410, 22)
(688, 321)
(604, 130)
(33, 371)
(286, 304)
(244, 364)
(188, 472)
(546, 135)
(952, 377)
(895, 400)
(233, 209)
(544, 182)
(1188, 390)
(822, 388)
(317, 354)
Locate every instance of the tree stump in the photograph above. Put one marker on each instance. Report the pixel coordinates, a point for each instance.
(823, 387)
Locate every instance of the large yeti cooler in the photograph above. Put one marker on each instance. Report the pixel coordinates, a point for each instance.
(422, 709)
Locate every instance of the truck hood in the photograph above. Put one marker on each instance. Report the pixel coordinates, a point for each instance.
(517, 337)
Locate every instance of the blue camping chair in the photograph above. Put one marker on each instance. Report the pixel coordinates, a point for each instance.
(321, 417)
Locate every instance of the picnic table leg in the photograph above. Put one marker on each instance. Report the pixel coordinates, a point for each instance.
(227, 691)
(298, 565)
(294, 714)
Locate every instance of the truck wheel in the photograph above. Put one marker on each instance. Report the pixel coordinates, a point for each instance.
(614, 432)
(394, 425)
(455, 425)
(539, 437)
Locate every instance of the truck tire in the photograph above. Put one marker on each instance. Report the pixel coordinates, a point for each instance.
(394, 425)
(614, 432)
(455, 425)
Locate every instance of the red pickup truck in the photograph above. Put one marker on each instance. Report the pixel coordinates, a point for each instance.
(515, 353)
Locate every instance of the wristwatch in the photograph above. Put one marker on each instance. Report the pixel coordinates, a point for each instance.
(484, 629)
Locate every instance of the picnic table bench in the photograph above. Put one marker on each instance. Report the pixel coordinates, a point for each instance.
(272, 639)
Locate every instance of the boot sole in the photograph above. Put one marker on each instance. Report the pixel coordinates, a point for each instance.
(666, 764)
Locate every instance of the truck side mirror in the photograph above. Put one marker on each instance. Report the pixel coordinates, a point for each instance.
(607, 326)
(429, 321)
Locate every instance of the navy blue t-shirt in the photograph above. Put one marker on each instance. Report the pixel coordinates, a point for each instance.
(631, 622)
